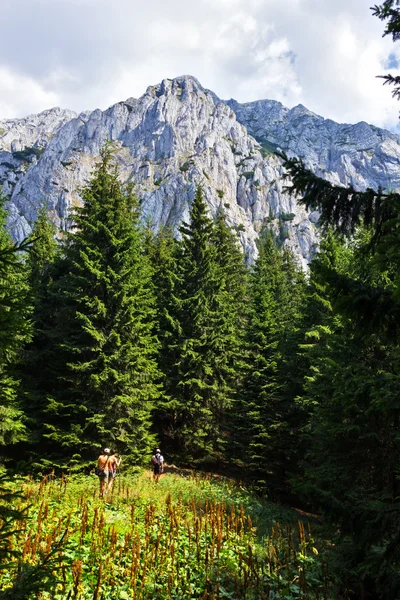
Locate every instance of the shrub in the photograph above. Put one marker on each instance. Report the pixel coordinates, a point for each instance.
(267, 148)
(27, 153)
(287, 216)
(185, 167)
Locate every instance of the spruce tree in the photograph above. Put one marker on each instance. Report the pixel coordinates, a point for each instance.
(268, 412)
(38, 367)
(351, 472)
(233, 275)
(207, 345)
(260, 387)
(162, 250)
(352, 393)
(42, 252)
(233, 297)
(197, 384)
(107, 384)
(15, 330)
(290, 369)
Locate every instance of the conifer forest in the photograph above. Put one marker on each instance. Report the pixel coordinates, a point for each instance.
(273, 393)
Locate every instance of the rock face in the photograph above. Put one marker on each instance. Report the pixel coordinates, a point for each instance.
(22, 142)
(178, 135)
(360, 155)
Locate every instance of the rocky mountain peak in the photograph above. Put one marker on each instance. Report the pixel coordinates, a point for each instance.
(178, 135)
(32, 131)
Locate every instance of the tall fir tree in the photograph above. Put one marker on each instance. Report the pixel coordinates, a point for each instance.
(351, 471)
(162, 250)
(233, 275)
(197, 383)
(233, 296)
(352, 392)
(268, 413)
(38, 370)
(107, 384)
(202, 381)
(42, 252)
(15, 330)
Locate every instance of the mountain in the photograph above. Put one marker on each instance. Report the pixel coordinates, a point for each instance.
(179, 134)
(360, 155)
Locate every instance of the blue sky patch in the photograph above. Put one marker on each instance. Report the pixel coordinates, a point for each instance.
(392, 62)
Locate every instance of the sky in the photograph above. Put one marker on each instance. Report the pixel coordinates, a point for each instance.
(87, 54)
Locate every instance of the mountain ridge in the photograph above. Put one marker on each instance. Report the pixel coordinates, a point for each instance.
(179, 134)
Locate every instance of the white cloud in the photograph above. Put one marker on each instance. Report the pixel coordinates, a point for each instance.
(84, 54)
(22, 95)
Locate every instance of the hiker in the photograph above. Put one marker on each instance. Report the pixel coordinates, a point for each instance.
(158, 465)
(112, 469)
(102, 470)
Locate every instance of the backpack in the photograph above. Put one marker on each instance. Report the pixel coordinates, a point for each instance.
(156, 459)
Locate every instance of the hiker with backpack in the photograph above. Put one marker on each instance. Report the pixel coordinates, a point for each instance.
(102, 470)
(158, 465)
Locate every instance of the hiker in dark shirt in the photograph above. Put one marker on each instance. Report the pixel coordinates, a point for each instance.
(158, 465)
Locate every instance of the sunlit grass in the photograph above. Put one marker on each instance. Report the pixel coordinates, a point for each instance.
(185, 537)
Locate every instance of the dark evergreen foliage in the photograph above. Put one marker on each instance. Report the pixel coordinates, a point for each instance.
(233, 317)
(389, 11)
(340, 207)
(15, 330)
(267, 414)
(37, 364)
(352, 389)
(162, 250)
(200, 383)
(103, 344)
(210, 293)
(352, 393)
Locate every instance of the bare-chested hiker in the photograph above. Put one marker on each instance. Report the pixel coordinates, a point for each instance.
(102, 470)
(112, 469)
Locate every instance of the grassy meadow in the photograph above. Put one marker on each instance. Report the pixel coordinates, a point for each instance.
(185, 537)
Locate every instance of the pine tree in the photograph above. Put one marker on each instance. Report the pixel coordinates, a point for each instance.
(15, 330)
(38, 369)
(233, 277)
(162, 250)
(353, 395)
(197, 384)
(352, 388)
(267, 408)
(42, 252)
(108, 380)
(202, 382)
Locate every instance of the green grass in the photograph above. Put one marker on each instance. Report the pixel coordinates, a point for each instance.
(185, 537)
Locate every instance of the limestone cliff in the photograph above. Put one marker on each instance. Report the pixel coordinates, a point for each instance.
(178, 135)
